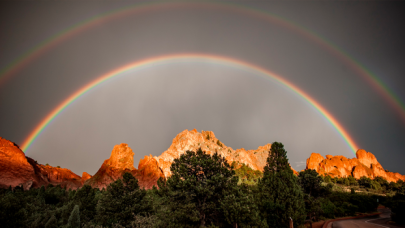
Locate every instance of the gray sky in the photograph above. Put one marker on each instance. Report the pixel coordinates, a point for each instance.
(146, 108)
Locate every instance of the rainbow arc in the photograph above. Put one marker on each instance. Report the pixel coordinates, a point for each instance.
(85, 25)
(188, 57)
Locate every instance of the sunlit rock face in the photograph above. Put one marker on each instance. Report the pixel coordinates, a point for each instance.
(121, 161)
(192, 140)
(17, 169)
(366, 158)
(365, 164)
(61, 176)
(85, 176)
(14, 167)
(121, 157)
(314, 160)
(149, 172)
(150, 169)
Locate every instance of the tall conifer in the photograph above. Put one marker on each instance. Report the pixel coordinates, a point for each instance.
(74, 219)
(280, 195)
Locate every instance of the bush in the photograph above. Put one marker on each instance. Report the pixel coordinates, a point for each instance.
(327, 179)
(398, 206)
(365, 182)
(328, 208)
(219, 143)
(246, 174)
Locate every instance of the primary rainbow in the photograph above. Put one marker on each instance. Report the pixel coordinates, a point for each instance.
(82, 26)
(187, 57)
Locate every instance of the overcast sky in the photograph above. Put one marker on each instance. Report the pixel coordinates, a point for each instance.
(146, 108)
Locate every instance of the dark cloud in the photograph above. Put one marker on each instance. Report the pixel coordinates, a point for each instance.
(147, 107)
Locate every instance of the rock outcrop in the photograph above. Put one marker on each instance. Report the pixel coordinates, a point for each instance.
(17, 169)
(121, 161)
(365, 164)
(85, 176)
(150, 169)
(149, 172)
(192, 140)
(14, 167)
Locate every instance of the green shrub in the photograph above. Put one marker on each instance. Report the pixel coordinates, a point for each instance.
(328, 208)
(219, 143)
(398, 206)
(327, 179)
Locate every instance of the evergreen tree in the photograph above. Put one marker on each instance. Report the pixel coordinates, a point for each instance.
(85, 198)
(398, 206)
(122, 200)
(11, 214)
(280, 196)
(52, 222)
(74, 219)
(240, 209)
(310, 182)
(194, 192)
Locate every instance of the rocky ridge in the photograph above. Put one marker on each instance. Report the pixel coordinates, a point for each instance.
(192, 140)
(150, 168)
(17, 169)
(365, 164)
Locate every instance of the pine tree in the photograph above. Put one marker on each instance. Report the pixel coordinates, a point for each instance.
(280, 196)
(194, 191)
(240, 208)
(122, 200)
(310, 182)
(85, 198)
(52, 222)
(74, 219)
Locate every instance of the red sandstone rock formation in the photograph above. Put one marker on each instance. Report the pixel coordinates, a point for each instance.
(85, 176)
(150, 169)
(149, 172)
(121, 161)
(365, 164)
(192, 140)
(314, 160)
(16, 169)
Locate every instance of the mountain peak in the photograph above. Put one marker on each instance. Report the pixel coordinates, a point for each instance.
(207, 141)
(121, 157)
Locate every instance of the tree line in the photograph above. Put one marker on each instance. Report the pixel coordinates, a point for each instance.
(203, 191)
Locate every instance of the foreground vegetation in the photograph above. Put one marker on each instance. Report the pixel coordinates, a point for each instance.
(203, 191)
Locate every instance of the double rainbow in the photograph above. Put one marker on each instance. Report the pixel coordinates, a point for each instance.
(65, 34)
(188, 57)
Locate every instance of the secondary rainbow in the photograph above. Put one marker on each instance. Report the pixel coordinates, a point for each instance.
(187, 57)
(82, 26)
